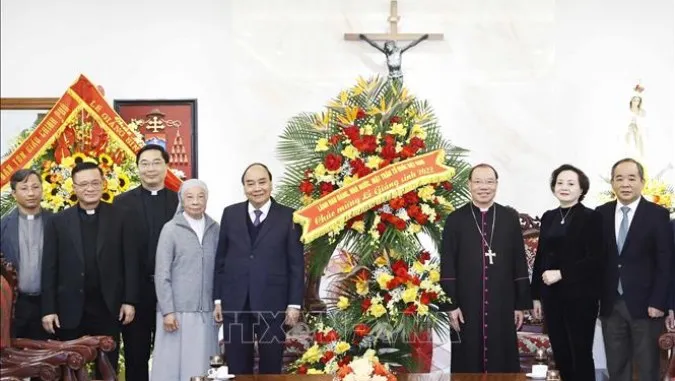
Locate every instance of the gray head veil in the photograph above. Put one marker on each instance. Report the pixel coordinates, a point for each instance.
(187, 185)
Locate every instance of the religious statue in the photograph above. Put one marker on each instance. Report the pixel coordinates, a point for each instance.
(634, 135)
(393, 53)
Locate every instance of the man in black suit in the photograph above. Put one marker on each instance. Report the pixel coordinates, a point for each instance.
(21, 242)
(259, 275)
(150, 206)
(89, 266)
(637, 276)
(670, 320)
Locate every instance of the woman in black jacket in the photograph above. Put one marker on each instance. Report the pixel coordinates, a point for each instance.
(566, 278)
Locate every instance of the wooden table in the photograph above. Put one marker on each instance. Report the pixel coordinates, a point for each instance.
(401, 377)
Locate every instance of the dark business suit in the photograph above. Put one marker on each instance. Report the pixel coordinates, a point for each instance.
(63, 274)
(644, 267)
(27, 321)
(260, 271)
(571, 305)
(138, 335)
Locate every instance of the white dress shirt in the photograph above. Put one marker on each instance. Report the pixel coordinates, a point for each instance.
(265, 209)
(618, 215)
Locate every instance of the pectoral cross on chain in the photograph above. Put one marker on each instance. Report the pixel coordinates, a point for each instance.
(490, 254)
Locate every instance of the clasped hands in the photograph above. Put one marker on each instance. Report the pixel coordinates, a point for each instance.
(456, 318)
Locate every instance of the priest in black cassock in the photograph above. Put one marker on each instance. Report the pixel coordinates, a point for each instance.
(150, 205)
(484, 272)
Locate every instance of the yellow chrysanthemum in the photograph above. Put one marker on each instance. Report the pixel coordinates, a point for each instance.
(422, 309)
(381, 261)
(312, 355)
(359, 226)
(341, 347)
(349, 179)
(434, 276)
(314, 371)
(410, 294)
(414, 228)
(368, 129)
(418, 267)
(343, 303)
(306, 200)
(322, 145)
(426, 193)
(426, 285)
(361, 287)
(320, 170)
(418, 131)
(383, 279)
(373, 162)
(377, 310)
(397, 129)
(350, 152)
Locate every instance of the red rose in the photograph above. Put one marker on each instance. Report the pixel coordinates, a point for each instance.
(360, 114)
(326, 188)
(366, 144)
(327, 357)
(334, 140)
(392, 284)
(363, 171)
(416, 280)
(352, 132)
(384, 163)
(397, 203)
(410, 310)
(361, 329)
(319, 337)
(422, 218)
(398, 223)
(381, 228)
(389, 140)
(447, 186)
(407, 152)
(425, 298)
(411, 198)
(387, 297)
(386, 217)
(388, 152)
(345, 361)
(424, 256)
(395, 119)
(302, 369)
(417, 143)
(333, 162)
(306, 187)
(332, 336)
(399, 265)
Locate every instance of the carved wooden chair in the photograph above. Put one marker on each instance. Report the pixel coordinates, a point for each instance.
(667, 343)
(47, 360)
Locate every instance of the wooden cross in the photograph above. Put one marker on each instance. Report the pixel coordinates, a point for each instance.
(491, 254)
(393, 34)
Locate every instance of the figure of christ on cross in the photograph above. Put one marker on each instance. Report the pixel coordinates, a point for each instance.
(393, 53)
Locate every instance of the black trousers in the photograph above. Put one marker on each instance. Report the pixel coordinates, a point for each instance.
(571, 328)
(96, 320)
(139, 334)
(239, 329)
(27, 322)
(629, 340)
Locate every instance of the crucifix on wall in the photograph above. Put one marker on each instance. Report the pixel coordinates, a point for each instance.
(392, 51)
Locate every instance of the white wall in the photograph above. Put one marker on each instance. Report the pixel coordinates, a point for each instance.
(523, 84)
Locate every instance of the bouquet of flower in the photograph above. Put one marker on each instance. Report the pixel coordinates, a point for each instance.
(399, 294)
(365, 368)
(83, 140)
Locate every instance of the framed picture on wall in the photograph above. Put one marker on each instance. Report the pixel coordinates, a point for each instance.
(18, 117)
(169, 123)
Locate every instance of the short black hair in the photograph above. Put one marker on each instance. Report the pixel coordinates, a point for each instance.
(584, 182)
(641, 169)
(83, 166)
(153, 147)
(483, 165)
(20, 176)
(253, 165)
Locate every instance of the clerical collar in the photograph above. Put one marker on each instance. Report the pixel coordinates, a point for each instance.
(151, 192)
(30, 217)
(482, 209)
(89, 212)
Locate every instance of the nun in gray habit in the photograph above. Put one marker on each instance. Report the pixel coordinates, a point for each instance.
(186, 332)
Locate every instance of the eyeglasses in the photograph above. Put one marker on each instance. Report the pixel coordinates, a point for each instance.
(94, 184)
(148, 164)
